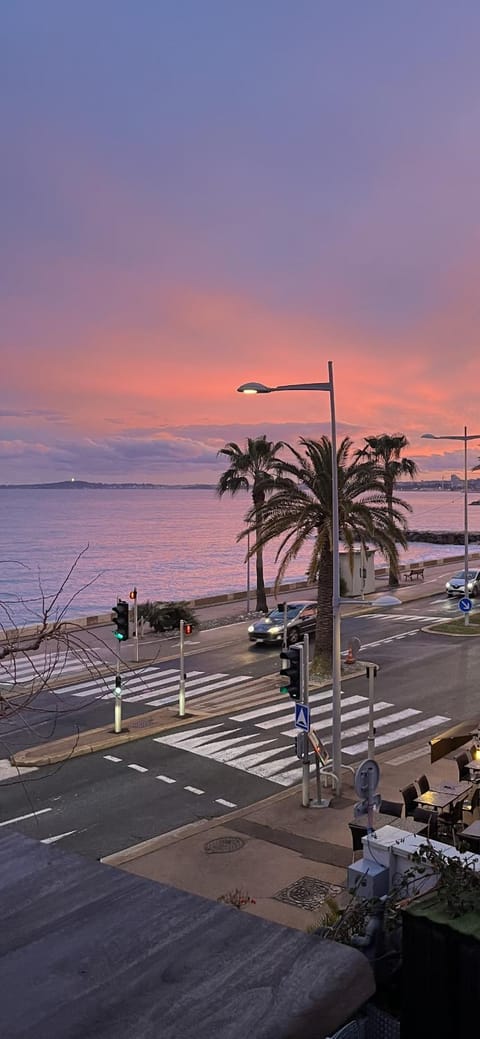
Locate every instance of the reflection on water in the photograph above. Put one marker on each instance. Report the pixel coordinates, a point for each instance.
(170, 543)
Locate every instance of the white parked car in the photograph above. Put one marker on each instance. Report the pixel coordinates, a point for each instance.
(456, 584)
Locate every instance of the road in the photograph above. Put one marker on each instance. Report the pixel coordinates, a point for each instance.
(242, 753)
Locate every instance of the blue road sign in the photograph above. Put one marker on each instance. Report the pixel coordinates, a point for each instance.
(302, 717)
(465, 604)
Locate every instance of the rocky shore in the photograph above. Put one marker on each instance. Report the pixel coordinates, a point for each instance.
(443, 537)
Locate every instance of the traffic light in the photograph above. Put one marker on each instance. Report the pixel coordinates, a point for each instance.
(291, 675)
(120, 618)
(187, 628)
(133, 594)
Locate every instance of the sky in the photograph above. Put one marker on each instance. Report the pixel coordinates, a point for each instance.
(199, 193)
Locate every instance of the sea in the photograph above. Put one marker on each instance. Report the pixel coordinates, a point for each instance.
(77, 550)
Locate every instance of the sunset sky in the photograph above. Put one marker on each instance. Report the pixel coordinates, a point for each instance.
(196, 193)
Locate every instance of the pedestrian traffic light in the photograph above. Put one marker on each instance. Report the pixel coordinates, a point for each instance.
(133, 594)
(120, 618)
(291, 673)
(187, 628)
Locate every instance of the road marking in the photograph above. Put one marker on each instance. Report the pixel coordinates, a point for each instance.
(20, 818)
(193, 790)
(204, 689)
(166, 779)
(110, 757)
(59, 837)
(228, 804)
(315, 712)
(275, 708)
(138, 768)
(399, 734)
(398, 716)
(9, 771)
(409, 757)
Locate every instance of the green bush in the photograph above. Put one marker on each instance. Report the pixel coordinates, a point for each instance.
(166, 616)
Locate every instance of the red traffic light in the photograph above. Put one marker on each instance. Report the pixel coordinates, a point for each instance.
(133, 595)
(188, 628)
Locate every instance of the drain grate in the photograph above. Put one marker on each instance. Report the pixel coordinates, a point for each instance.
(308, 893)
(223, 845)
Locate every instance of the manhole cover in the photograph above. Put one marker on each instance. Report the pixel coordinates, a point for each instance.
(308, 893)
(222, 845)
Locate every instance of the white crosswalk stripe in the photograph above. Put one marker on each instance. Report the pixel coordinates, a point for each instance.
(23, 668)
(269, 753)
(153, 687)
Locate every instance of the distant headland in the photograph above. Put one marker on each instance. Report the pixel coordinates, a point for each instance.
(82, 485)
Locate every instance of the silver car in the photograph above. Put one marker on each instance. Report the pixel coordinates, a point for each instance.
(301, 618)
(456, 584)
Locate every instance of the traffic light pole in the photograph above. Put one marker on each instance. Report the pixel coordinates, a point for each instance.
(118, 697)
(181, 691)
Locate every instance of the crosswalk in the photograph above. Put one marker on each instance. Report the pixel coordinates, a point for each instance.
(25, 669)
(260, 740)
(154, 686)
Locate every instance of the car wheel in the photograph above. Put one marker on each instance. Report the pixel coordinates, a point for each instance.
(293, 636)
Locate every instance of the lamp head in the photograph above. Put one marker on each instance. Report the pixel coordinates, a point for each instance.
(253, 387)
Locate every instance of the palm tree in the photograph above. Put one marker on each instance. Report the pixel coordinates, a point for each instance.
(386, 452)
(254, 469)
(299, 511)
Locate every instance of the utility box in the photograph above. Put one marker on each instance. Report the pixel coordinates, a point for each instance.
(368, 879)
(360, 580)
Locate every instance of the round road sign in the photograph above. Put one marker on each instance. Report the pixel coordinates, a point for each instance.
(465, 604)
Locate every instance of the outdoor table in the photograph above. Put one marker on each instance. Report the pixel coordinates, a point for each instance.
(447, 787)
(408, 825)
(436, 799)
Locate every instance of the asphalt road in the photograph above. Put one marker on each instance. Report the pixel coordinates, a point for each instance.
(220, 665)
(104, 802)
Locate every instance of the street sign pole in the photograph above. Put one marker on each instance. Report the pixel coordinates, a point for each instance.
(371, 671)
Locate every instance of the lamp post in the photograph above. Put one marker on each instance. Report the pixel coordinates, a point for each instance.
(327, 387)
(465, 437)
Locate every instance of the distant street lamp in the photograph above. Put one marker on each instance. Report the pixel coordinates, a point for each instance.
(258, 387)
(465, 437)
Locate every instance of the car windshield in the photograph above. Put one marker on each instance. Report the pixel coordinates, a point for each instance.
(461, 575)
(278, 615)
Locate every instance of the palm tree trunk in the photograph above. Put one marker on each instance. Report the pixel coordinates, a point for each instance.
(261, 605)
(322, 651)
(393, 577)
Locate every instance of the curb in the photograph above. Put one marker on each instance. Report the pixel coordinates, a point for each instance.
(72, 747)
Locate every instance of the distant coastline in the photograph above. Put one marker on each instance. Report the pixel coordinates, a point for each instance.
(82, 485)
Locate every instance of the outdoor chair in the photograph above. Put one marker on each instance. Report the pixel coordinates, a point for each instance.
(392, 808)
(424, 815)
(451, 820)
(462, 764)
(423, 784)
(409, 793)
(472, 802)
(357, 831)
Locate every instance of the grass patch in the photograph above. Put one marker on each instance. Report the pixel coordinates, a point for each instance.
(458, 626)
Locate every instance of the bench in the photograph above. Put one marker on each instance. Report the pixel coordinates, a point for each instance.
(416, 570)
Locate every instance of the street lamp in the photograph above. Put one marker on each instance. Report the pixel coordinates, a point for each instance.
(327, 387)
(465, 437)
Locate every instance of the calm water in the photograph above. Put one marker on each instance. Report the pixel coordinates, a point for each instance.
(171, 544)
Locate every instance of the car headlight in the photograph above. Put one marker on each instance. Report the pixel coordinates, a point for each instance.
(470, 586)
(251, 629)
(446, 586)
(275, 630)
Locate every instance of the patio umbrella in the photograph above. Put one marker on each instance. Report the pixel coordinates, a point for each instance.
(450, 740)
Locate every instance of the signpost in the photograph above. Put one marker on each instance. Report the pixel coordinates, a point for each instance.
(465, 604)
(302, 717)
